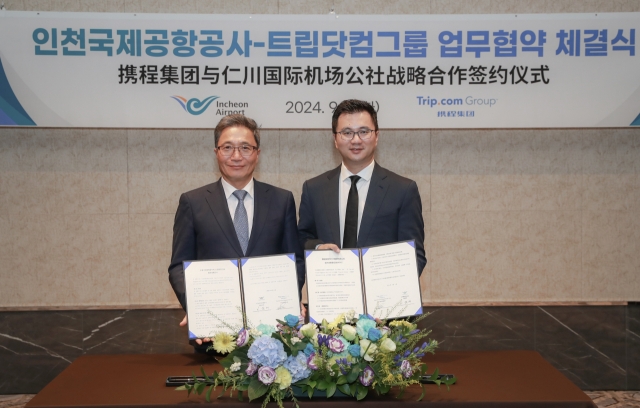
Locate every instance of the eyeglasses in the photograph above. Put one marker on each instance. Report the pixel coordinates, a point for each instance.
(349, 134)
(245, 150)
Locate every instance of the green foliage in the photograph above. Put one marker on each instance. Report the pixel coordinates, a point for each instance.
(344, 388)
(361, 392)
(331, 389)
(208, 395)
(240, 353)
(256, 389)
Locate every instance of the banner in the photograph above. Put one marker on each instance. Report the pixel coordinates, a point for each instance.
(290, 71)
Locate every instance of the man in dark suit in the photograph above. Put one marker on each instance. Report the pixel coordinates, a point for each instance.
(236, 216)
(359, 203)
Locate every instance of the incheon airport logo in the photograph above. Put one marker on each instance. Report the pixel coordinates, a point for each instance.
(194, 106)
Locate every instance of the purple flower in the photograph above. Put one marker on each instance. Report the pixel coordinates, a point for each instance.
(266, 375)
(335, 345)
(414, 331)
(311, 363)
(251, 368)
(366, 378)
(323, 339)
(344, 365)
(405, 369)
(243, 338)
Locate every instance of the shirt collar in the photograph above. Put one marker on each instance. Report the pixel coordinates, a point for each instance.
(364, 174)
(229, 189)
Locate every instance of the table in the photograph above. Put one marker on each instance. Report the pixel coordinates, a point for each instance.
(485, 379)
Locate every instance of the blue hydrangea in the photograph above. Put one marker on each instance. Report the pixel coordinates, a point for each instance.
(309, 350)
(363, 326)
(297, 366)
(267, 351)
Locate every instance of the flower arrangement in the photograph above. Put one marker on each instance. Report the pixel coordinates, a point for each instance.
(350, 355)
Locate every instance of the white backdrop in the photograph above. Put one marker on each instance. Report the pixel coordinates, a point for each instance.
(289, 71)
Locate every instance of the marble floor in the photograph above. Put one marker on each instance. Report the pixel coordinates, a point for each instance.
(615, 399)
(608, 399)
(15, 401)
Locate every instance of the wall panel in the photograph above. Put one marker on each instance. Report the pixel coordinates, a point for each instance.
(539, 215)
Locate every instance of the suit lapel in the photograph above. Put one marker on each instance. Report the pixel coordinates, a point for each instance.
(332, 203)
(261, 203)
(218, 203)
(378, 188)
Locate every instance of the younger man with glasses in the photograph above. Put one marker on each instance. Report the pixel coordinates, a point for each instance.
(359, 203)
(236, 216)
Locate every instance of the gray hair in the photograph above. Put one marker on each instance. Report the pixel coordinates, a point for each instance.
(235, 120)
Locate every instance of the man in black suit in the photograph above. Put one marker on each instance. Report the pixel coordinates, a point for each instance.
(236, 216)
(359, 203)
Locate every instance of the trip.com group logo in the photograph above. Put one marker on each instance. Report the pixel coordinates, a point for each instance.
(194, 106)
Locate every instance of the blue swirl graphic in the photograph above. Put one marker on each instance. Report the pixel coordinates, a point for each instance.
(11, 111)
(196, 107)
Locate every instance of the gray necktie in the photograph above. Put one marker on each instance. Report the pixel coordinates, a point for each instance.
(241, 221)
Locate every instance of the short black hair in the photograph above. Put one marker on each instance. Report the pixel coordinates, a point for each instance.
(234, 120)
(353, 106)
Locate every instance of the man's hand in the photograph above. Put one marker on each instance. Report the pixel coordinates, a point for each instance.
(199, 341)
(332, 247)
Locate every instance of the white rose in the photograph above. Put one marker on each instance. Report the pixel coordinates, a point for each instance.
(387, 345)
(309, 330)
(349, 332)
(367, 349)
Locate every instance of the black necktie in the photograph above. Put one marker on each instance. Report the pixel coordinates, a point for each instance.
(350, 239)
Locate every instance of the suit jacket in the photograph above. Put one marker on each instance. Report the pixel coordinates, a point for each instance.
(203, 229)
(392, 212)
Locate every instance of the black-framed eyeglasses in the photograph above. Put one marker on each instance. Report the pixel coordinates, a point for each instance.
(245, 150)
(363, 134)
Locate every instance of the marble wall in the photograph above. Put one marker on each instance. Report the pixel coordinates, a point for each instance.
(596, 347)
(538, 215)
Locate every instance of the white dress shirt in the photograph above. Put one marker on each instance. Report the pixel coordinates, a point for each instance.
(363, 188)
(232, 201)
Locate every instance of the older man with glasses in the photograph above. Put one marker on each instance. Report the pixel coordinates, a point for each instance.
(359, 203)
(237, 216)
